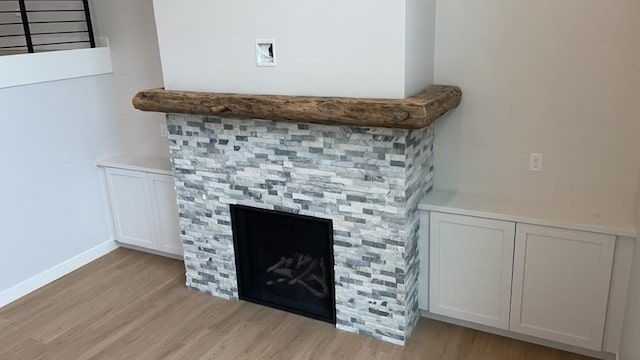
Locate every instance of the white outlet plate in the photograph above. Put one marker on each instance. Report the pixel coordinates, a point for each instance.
(266, 52)
(164, 132)
(535, 162)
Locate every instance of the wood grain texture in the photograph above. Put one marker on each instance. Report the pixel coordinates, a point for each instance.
(413, 113)
(131, 305)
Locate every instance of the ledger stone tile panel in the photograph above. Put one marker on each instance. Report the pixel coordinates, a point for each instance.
(368, 181)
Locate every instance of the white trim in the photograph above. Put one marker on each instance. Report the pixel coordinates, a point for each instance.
(27, 69)
(34, 283)
(521, 337)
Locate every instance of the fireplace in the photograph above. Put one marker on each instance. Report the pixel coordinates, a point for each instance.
(366, 180)
(285, 261)
(316, 136)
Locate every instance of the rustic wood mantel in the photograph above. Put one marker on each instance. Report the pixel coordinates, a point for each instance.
(412, 113)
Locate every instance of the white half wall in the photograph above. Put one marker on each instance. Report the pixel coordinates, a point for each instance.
(26, 69)
(53, 208)
(130, 27)
(323, 48)
(560, 78)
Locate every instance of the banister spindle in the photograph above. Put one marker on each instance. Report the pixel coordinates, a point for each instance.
(87, 15)
(25, 25)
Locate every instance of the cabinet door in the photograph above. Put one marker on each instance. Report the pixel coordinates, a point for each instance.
(165, 213)
(471, 263)
(561, 284)
(129, 198)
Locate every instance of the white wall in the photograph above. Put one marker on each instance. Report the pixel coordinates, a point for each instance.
(557, 77)
(130, 27)
(420, 29)
(323, 48)
(630, 349)
(52, 206)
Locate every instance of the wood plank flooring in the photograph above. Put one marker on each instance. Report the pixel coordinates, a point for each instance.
(131, 305)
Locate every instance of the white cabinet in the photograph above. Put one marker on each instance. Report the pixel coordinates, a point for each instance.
(561, 284)
(470, 273)
(143, 204)
(568, 268)
(540, 281)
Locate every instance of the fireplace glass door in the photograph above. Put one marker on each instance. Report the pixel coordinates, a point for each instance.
(285, 261)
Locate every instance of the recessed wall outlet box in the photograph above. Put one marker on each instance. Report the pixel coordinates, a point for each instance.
(265, 52)
(535, 162)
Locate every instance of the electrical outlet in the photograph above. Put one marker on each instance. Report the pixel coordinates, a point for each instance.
(164, 132)
(265, 52)
(535, 162)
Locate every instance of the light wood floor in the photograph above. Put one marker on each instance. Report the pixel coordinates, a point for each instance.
(130, 305)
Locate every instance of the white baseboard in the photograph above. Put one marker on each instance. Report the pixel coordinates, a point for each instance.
(34, 283)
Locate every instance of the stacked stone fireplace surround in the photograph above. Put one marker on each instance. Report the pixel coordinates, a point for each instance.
(368, 181)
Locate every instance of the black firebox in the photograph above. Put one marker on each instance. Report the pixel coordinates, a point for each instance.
(285, 261)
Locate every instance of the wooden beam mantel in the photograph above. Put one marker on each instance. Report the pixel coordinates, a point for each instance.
(412, 113)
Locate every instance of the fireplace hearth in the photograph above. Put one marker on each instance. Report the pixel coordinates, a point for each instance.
(285, 261)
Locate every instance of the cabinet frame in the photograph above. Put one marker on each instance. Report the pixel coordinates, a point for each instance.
(151, 209)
